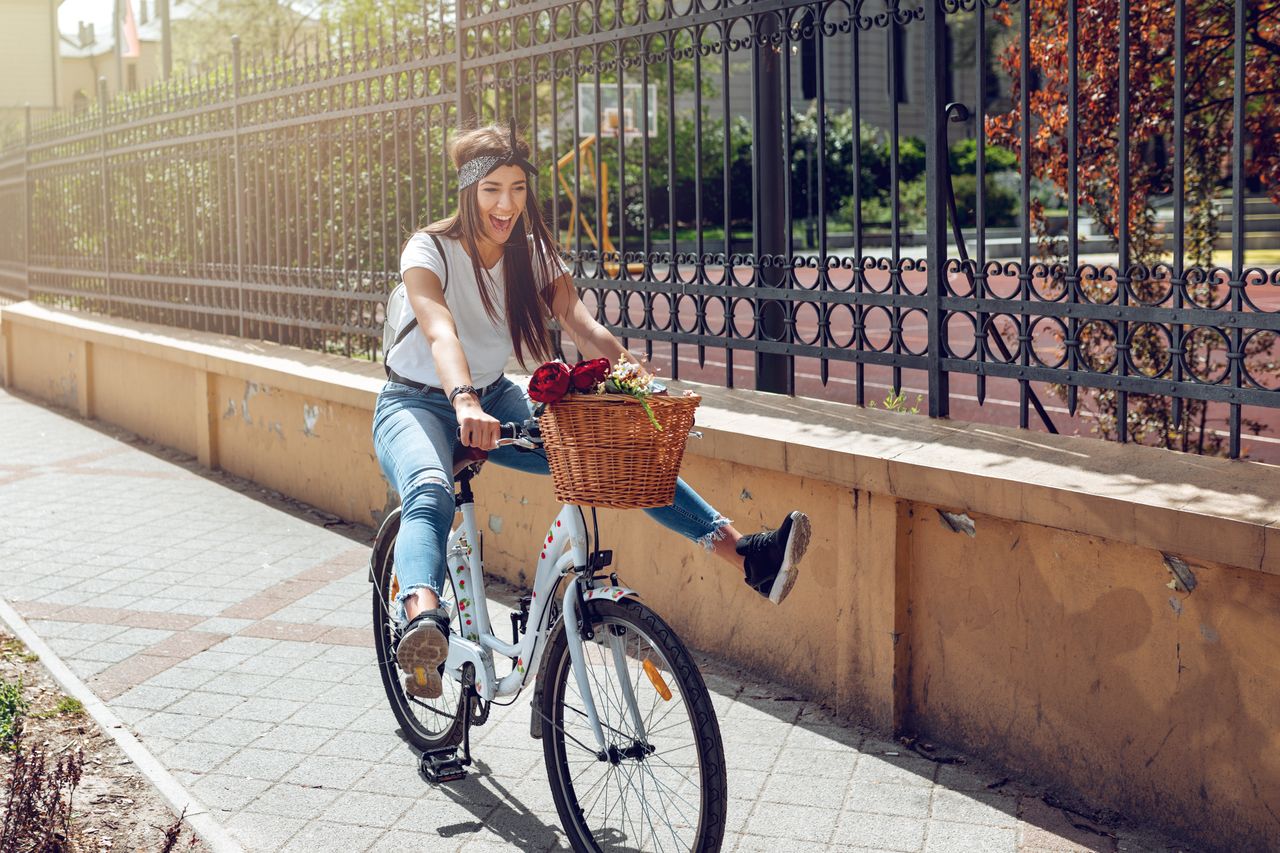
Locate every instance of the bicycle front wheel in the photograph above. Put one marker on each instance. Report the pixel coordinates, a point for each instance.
(661, 784)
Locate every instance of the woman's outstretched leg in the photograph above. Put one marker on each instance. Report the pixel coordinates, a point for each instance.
(769, 560)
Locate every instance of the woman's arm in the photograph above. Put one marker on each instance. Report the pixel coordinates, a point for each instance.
(426, 298)
(592, 339)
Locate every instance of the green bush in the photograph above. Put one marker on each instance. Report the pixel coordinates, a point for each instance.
(877, 209)
(910, 158)
(1001, 203)
(672, 191)
(676, 187)
(964, 158)
(13, 705)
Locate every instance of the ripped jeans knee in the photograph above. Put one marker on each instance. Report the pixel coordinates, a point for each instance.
(426, 516)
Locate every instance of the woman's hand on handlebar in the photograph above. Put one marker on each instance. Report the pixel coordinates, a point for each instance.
(475, 427)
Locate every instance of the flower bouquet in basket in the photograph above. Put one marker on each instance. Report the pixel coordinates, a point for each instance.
(613, 435)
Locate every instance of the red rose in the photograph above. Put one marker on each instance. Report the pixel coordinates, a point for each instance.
(549, 382)
(587, 375)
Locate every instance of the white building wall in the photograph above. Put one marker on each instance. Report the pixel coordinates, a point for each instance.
(27, 50)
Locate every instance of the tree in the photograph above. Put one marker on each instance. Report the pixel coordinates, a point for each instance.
(265, 27)
(1209, 50)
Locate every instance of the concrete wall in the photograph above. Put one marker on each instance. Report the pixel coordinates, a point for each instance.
(1049, 641)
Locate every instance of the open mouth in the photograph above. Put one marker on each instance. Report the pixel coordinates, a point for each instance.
(500, 224)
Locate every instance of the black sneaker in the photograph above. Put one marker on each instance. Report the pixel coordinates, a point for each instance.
(421, 652)
(772, 556)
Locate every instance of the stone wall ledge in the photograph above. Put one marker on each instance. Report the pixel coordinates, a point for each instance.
(312, 374)
(1198, 508)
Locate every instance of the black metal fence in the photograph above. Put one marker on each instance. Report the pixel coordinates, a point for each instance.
(842, 199)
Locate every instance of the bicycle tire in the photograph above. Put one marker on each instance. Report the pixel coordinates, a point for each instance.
(385, 634)
(704, 730)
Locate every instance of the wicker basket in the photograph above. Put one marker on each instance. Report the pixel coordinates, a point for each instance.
(604, 451)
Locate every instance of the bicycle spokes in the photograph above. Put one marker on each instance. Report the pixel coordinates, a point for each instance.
(647, 791)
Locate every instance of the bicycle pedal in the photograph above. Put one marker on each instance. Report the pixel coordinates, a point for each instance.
(441, 767)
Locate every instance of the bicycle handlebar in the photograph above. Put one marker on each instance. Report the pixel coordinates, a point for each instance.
(527, 434)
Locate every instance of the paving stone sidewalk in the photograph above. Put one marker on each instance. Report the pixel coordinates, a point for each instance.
(230, 630)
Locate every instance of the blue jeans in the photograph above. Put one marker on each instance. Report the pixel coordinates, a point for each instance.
(414, 436)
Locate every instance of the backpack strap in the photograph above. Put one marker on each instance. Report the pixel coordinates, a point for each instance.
(444, 261)
(413, 318)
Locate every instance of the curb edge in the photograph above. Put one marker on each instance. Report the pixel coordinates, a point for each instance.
(201, 820)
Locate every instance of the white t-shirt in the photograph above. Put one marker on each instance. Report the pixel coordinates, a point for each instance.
(486, 342)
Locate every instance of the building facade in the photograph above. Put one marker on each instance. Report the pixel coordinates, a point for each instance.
(29, 45)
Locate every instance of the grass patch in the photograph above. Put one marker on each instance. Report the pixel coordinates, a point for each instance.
(1252, 257)
(14, 650)
(67, 706)
(13, 705)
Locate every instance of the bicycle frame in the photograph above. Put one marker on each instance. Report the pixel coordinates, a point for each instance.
(563, 551)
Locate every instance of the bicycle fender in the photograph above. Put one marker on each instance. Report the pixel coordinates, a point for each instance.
(610, 593)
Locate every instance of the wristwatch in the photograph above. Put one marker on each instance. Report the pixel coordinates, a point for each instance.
(463, 389)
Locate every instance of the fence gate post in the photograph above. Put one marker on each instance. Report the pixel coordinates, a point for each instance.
(774, 371)
(936, 203)
(238, 173)
(105, 193)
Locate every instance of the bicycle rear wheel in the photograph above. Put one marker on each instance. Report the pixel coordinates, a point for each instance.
(662, 784)
(428, 724)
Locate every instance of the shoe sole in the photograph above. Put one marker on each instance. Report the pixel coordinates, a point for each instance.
(797, 544)
(419, 655)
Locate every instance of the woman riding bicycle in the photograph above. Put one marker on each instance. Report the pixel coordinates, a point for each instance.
(482, 285)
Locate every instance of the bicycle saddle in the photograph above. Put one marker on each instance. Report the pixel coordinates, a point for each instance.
(464, 457)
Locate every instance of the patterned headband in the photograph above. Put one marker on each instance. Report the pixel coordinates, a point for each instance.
(479, 167)
(474, 170)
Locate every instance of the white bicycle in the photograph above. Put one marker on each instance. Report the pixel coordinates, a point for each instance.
(631, 742)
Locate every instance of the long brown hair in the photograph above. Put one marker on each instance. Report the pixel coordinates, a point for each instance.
(528, 296)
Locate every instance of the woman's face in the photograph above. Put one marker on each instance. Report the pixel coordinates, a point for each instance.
(500, 197)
